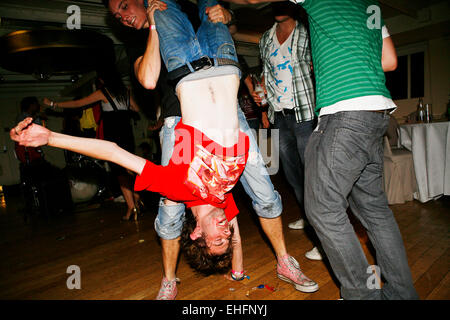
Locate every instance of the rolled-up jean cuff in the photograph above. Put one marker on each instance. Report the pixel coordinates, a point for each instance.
(169, 221)
(269, 210)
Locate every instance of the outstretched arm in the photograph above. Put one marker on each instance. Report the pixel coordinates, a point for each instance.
(29, 134)
(148, 66)
(93, 97)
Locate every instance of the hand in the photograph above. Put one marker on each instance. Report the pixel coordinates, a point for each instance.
(228, 276)
(47, 102)
(29, 134)
(152, 6)
(15, 132)
(263, 85)
(218, 13)
(256, 98)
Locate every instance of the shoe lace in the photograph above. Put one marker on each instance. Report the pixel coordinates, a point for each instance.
(294, 268)
(167, 288)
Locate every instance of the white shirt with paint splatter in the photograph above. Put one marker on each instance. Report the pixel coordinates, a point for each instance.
(281, 68)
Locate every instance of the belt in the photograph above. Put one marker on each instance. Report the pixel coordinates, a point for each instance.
(201, 64)
(285, 112)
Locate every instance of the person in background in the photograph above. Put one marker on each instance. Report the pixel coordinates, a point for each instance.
(253, 114)
(288, 80)
(117, 102)
(30, 107)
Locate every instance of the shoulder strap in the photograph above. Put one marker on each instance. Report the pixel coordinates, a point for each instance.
(111, 101)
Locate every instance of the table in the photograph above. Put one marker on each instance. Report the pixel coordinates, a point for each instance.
(430, 147)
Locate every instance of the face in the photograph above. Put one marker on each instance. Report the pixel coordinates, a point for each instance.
(34, 108)
(130, 13)
(280, 19)
(283, 11)
(216, 229)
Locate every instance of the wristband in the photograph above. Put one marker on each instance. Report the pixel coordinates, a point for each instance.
(51, 104)
(238, 275)
(152, 27)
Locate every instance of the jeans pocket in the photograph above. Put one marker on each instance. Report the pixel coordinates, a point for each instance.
(347, 150)
(226, 50)
(174, 63)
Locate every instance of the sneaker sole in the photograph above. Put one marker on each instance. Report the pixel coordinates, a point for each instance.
(296, 228)
(299, 287)
(166, 297)
(315, 258)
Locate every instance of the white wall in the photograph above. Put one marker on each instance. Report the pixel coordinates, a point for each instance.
(437, 79)
(437, 62)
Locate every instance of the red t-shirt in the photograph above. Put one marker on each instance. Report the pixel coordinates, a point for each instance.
(200, 171)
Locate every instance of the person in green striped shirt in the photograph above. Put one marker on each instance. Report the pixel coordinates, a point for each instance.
(351, 50)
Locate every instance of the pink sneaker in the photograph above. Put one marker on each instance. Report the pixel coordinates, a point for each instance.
(168, 290)
(288, 270)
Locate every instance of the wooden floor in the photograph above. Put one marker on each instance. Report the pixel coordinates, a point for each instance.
(121, 260)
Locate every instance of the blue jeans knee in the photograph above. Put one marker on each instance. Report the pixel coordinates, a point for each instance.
(255, 179)
(169, 221)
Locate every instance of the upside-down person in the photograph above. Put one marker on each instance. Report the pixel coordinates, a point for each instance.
(204, 65)
(200, 174)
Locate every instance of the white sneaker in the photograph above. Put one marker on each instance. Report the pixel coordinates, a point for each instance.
(119, 199)
(313, 254)
(297, 225)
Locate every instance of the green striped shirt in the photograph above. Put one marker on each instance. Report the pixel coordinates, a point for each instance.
(346, 52)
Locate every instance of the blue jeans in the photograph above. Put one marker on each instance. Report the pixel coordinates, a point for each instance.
(256, 181)
(344, 166)
(293, 140)
(179, 45)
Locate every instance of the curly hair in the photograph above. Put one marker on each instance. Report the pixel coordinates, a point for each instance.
(196, 251)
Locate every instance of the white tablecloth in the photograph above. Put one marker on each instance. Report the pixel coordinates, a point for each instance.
(430, 146)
